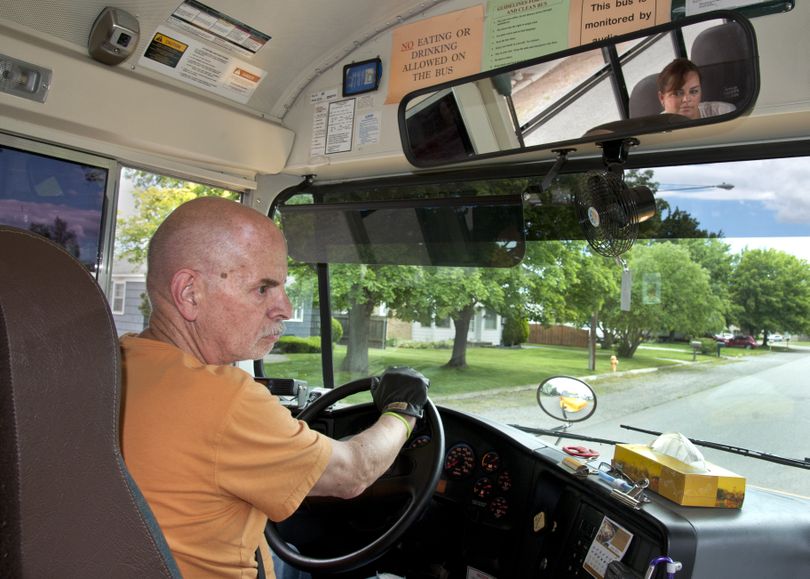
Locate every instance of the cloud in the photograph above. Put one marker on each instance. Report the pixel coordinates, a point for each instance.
(798, 246)
(782, 185)
(85, 223)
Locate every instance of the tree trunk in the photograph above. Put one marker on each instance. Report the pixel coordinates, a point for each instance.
(359, 322)
(462, 324)
(628, 346)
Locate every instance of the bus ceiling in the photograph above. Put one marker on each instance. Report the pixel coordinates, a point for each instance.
(250, 90)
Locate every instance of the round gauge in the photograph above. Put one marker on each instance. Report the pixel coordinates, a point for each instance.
(491, 461)
(420, 441)
(498, 507)
(460, 461)
(483, 488)
(505, 481)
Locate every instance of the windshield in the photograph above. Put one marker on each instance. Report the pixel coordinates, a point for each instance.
(714, 344)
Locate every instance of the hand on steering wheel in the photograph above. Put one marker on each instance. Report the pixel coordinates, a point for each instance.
(419, 484)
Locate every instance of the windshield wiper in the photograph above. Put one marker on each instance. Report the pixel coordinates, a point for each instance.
(560, 433)
(737, 450)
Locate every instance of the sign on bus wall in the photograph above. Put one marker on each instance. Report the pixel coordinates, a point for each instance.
(435, 50)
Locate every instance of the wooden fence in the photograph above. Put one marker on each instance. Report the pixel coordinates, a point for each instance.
(557, 335)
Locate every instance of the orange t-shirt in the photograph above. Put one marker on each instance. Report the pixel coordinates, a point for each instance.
(215, 454)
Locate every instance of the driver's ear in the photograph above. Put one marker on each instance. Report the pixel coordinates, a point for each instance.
(186, 290)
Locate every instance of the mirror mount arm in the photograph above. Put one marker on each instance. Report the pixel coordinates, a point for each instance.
(562, 157)
(615, 152)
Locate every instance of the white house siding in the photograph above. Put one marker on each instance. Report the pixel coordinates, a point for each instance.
(477, 333)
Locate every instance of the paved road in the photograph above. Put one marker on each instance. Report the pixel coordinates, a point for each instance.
(758, 402)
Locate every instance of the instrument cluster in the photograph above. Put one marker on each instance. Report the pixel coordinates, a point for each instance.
(482, 480)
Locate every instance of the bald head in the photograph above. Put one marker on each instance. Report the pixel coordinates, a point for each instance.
(208, 234)
(216, 278)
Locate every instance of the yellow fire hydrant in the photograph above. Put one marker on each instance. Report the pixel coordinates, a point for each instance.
(614, 362)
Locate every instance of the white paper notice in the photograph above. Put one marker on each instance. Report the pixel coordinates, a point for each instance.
(339, 126)
(701, 6)
(323, 96)
(317, 146)
(610, 544)
(368, 128)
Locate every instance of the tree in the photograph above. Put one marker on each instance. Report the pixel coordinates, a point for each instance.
(444, 292)
(359, 289)
(772, 289)
(597, 278)
(670, 293)
(714, 256)
(60, 234)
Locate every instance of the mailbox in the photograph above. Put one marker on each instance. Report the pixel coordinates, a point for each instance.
(697, 346)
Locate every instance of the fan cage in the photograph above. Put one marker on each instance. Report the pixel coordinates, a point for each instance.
(608, 214)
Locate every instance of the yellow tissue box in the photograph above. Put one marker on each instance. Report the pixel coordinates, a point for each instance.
(680, 482)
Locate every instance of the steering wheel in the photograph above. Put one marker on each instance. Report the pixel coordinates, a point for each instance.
(418, 484)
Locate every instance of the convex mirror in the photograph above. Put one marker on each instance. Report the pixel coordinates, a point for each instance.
(694, 71)
(566, 398)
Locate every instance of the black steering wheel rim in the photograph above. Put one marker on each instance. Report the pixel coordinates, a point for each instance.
(379, 546)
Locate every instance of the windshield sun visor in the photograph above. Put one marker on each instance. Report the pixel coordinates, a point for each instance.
(465, 232)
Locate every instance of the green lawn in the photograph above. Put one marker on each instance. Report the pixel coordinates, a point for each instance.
(486, 367)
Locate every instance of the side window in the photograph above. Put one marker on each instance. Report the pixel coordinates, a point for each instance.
(119, 291)
(56, 193)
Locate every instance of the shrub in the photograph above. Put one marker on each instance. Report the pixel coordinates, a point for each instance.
(515, 331)
(708, 346)
(298, 345)
(337, 331)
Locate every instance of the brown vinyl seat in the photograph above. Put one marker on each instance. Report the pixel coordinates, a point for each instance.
(69, 507)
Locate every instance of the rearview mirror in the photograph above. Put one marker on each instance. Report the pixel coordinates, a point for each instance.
(695, 71)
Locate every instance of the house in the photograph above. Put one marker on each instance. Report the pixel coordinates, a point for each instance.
(127, 297)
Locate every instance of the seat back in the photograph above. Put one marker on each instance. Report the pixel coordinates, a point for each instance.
(723, 55)
(69, 507)
(644, 97)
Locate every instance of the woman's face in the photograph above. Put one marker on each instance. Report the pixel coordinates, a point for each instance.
(683, 100)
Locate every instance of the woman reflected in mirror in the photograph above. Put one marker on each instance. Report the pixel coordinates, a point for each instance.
(679, 90)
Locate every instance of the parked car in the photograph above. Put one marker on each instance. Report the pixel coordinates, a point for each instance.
(746, 342)
(775, 338)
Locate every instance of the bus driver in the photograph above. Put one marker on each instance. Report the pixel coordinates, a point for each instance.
(214, 453)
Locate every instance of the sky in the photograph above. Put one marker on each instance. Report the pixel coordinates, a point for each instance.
(769, 206)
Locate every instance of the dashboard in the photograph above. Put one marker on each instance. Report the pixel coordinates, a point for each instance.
(506, 507)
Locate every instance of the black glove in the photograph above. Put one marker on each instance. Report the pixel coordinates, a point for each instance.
(401, 390)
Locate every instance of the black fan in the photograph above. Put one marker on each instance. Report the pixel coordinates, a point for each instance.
(609, 212)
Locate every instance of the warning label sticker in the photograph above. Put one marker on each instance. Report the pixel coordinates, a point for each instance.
(201, 64)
